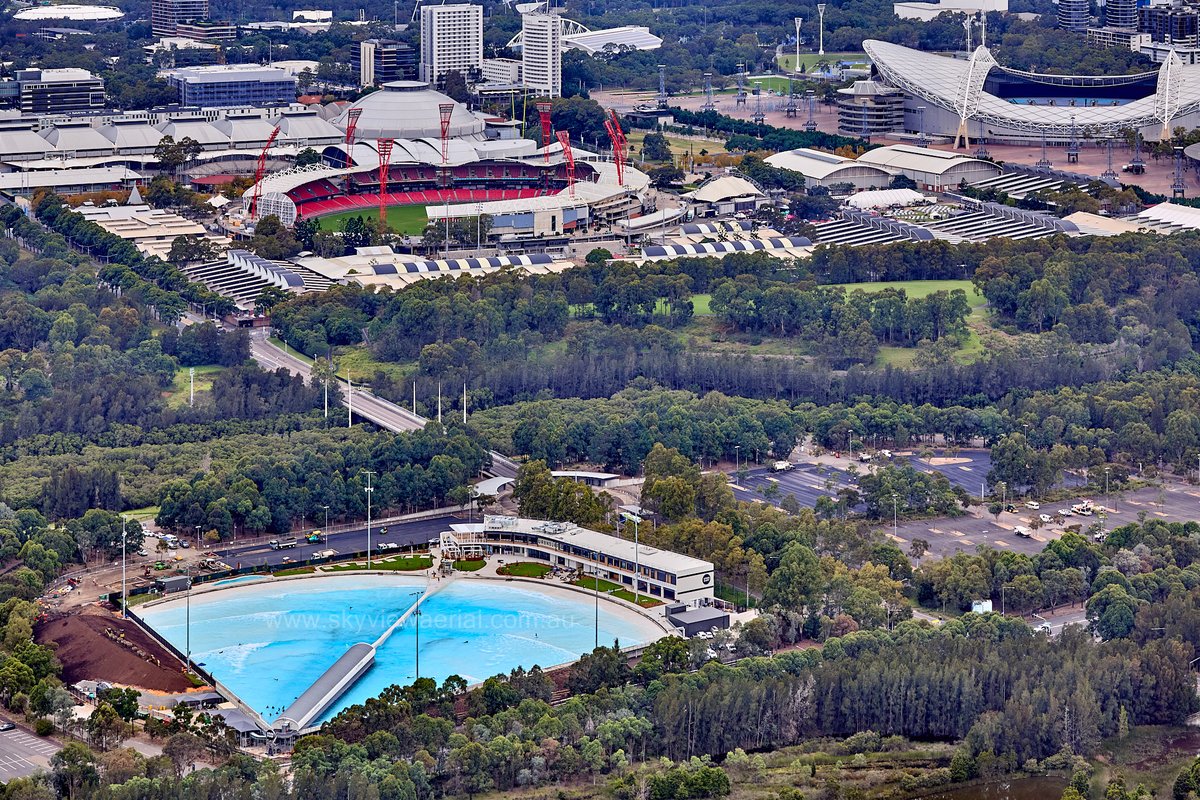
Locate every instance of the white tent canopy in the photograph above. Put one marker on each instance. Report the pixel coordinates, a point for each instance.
(887, 198)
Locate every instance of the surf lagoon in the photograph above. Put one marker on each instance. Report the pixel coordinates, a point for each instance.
(268, 641)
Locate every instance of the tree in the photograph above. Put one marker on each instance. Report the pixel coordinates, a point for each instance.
(655, 147)
(455, 86)
(664, 177)
(307, 157)
(183, 749)
(189, 249)
(105, 727)
(74, 770)
(172, 154)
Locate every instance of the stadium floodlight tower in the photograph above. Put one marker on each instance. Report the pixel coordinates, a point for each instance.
(759, 115)
(564, 139)
(799, 21)
(1073, 144)
(810, 100)
(384, 148)
(1178, 186)
(791, 109)
(1109, 174)
(709, 105)
(740, 98)
(662, 87)
(543, 110)
(967, 27)
(1044, 164)
(821, 34)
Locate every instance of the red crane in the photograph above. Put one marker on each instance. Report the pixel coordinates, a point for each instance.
(543, 110)
(564, 138)
(619, 144)
(258, 173)
(384, 148)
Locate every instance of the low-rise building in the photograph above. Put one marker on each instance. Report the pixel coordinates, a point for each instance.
(52, 91)
(931, 170)
(232, 85)
(828, 170)
(661, 574)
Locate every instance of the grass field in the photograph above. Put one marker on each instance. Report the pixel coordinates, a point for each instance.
(525, 569)
(362, 366)
(397, 564)
(976, 320)
(180, 391)
(679, 145)
(470, 564)
(608, 587)
(402, 219)
(700, 305)
(788, 61)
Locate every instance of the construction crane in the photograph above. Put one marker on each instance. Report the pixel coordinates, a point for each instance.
(564, 139)
(620, 145)
(258, 173)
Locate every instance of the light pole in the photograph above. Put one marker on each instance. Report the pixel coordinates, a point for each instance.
(798, 21)
(1107, 472)
(821, 40)
(737, 462)
(850, 444)
(895, 515)
(370, 491)
(326, 525)
(124, 596)
(198, 527)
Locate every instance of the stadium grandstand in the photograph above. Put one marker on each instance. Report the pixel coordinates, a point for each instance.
(480, 167)
(968, 98)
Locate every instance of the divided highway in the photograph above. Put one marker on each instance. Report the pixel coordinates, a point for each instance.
(382, 412)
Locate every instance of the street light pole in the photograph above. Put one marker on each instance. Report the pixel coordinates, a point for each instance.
(850, 444)
(370, 491)
(326, 525)
(895, 516)
(124, 596)
(737, 462)
(198, 527)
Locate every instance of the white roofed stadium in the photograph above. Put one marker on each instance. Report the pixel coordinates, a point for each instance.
(970, 98)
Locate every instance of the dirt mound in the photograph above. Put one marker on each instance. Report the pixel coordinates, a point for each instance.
(101, 646)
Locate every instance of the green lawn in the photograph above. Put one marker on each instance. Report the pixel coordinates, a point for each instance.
(402, 219)
(700, 305)
(284, 573)
(362, 366)
(470, 564)
(679, 145)
(787, 61)
(397, 564)
(180, 391)
(143, 514)
(525, 569)
(608, 587)
(903, 356)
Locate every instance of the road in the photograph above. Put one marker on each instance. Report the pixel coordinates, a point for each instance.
(382, 412)
(405, 534)
(22, 754)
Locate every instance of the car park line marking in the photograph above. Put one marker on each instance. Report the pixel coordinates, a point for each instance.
(1001, 543)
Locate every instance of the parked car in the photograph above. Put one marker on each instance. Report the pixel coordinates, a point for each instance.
(1031, 505)
(1045, 518)
(5, 725)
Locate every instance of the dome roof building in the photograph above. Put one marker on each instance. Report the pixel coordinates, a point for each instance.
(408, 110)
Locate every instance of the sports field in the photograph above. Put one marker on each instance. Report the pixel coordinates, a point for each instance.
(787, 61)
(402, 219)
(919, 288)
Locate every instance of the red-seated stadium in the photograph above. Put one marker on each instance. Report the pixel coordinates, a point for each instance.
(418, 185)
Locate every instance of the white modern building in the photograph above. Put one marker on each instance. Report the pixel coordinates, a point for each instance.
(928, 11)
(661, 574)
(451, 41)
(828, 170)
(541, 54)
(502, 70)
(931, 170)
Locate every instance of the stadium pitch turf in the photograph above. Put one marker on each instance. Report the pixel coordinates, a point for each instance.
(402, 219)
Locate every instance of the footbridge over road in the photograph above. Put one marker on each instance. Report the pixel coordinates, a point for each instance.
(374, 409)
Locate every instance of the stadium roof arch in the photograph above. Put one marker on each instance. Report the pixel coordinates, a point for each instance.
(958, 86)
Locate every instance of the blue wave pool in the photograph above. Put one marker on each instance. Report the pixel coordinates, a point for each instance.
(269, 641)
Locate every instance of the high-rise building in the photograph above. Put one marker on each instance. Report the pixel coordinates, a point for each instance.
(1121, 14)
(451, 40)
(380, 61)
(1171, 25)
(165, 15)
(541, 54)
(1073, 15)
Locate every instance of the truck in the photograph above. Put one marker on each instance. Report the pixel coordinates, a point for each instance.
(282, 544)
(1083, 508)
(325, 554)
(385, 546)
(781, 466)
(1022, 531)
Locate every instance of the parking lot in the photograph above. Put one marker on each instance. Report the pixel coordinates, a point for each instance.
(22, 754)
(1174, 503)
(806, 481)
